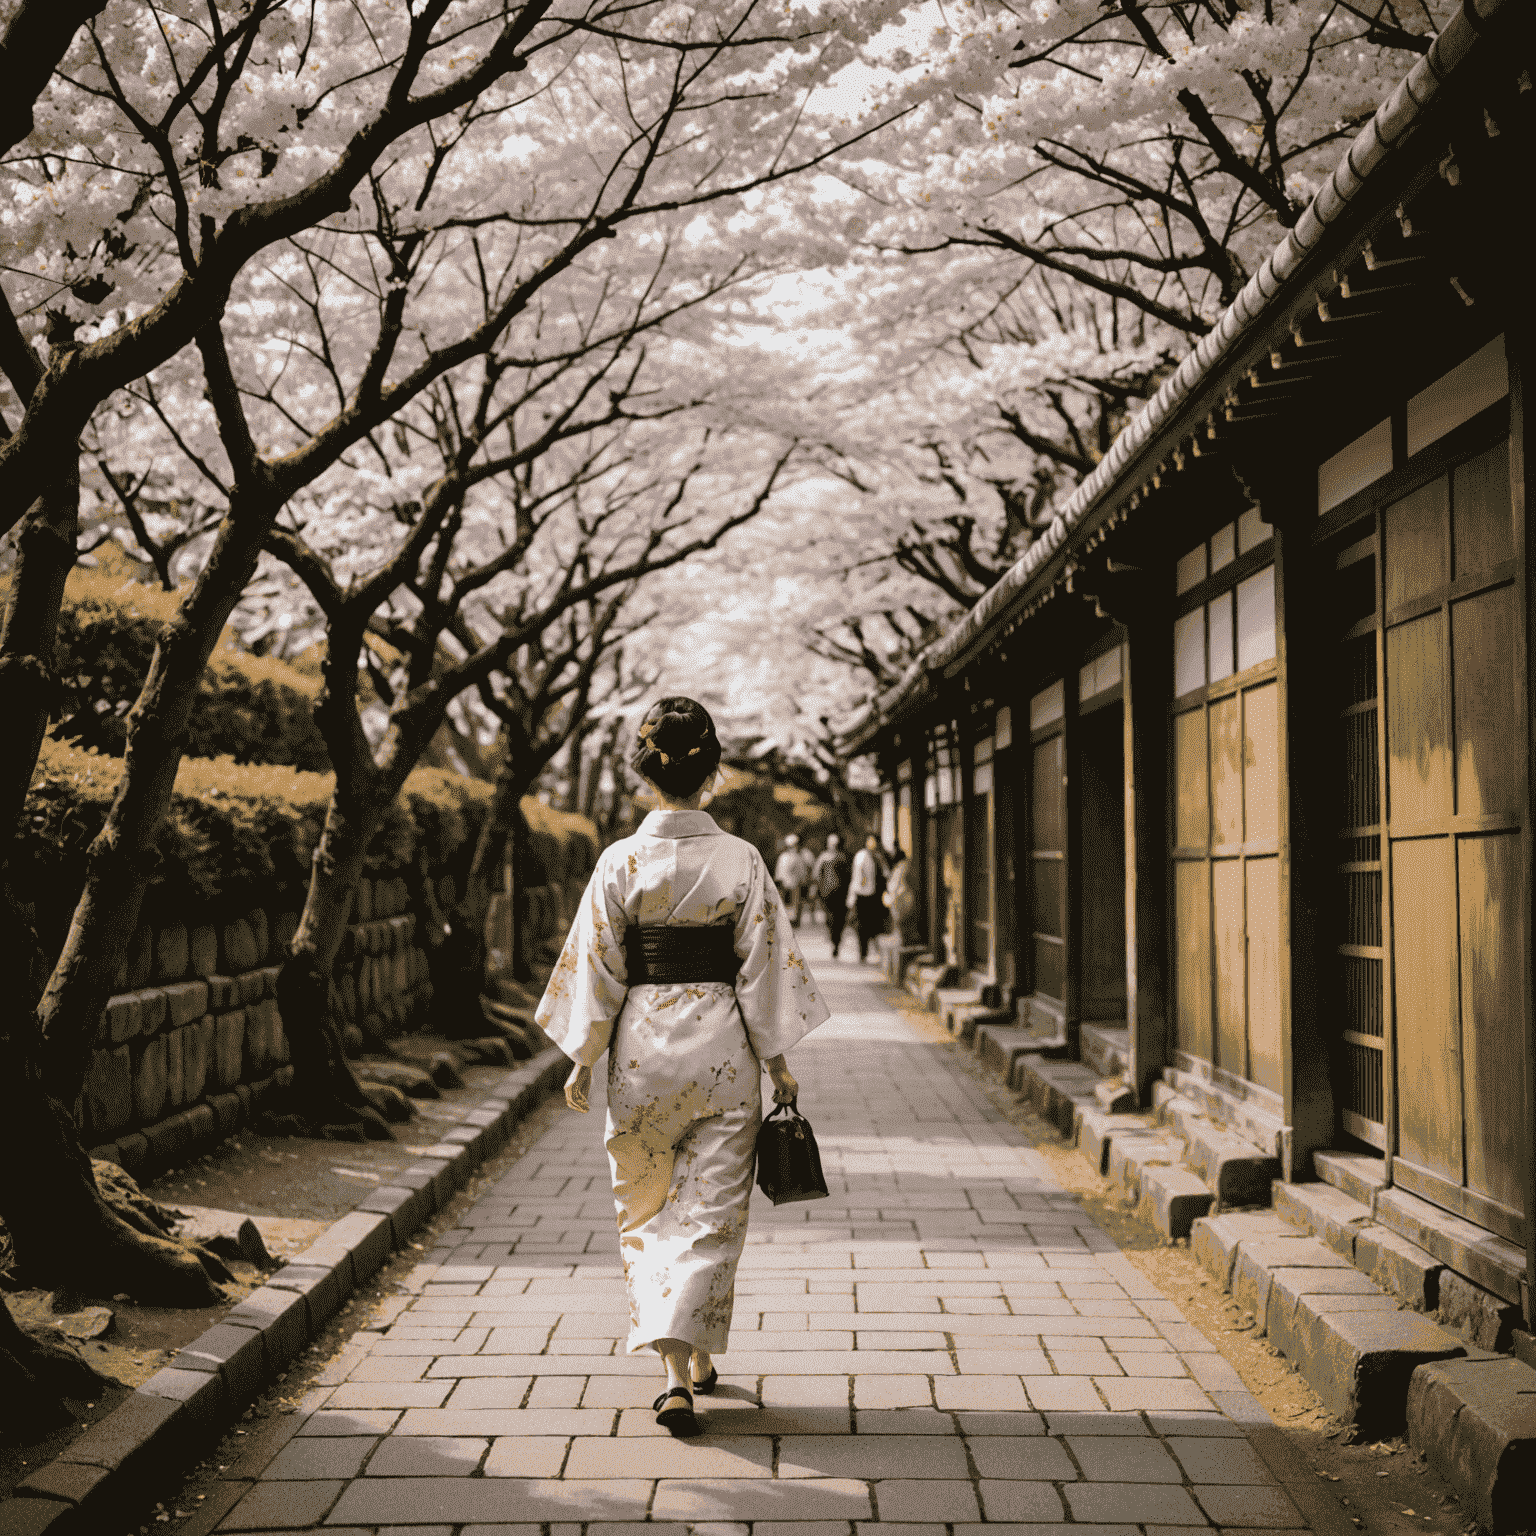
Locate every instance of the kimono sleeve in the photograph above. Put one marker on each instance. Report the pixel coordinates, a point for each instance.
(589, 983)
(779, 998)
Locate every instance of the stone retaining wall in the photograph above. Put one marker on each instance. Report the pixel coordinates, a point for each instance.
(192, 1046)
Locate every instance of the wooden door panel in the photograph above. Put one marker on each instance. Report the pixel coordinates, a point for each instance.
(1049, 801)
(1261, 765)
(1231, 967)
(1227, 771)
(1192, 938)
(1492, 1020)
(1490, 757)
(1414, 543)
(1424, 986)
(978, 882)
(1191, 777)
(1483, 513)
(1263, 881)
(1418, 733)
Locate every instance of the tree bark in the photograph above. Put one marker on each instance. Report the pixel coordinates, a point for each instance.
(45, 554)
(124, 854)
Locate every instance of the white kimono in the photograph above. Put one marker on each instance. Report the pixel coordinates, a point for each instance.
(684, 1095)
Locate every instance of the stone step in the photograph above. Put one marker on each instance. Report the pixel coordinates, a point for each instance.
(1095, 1132)
(1475, 1420)
(1409, 1272)
(1355, 1345)
(1115, 1096)
(1173, 1199)
(1248, 1118)
(1131, 1156)
(1472, 1252)
(1358, 1174)
(1238, 1172)
(999, 1045)
(963, 1023)
(1106, 1048)
(1056, 1088)
(948, 1000)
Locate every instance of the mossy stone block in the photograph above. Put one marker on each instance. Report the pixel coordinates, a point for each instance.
(229, 1049)
(238, 946)
(109, 1091)
(173, 953)
(149, 1082)
(261, 932)
(184, 1002)
(196, 1055)
(175, 1079)
(203, 944)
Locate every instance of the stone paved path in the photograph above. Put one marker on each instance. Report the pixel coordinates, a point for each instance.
(947, 1341)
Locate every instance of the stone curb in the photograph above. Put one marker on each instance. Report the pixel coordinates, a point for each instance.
(166, 1423)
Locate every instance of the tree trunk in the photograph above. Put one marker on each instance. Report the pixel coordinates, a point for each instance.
(64, 1231)
(124, 854)
(45, 554)
(36, 1375)
(328, 1100)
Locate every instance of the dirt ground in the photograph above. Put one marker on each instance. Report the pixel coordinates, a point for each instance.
(1383, 1486)
(291, 1189)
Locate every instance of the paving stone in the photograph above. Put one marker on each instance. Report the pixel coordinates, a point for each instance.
(487, 1500)
(633, 1456)
(915, 1456)
(457, 1456)
(1119, 1459)
(1155, 1504)
(282, 1506)
(908, 1499)
(320, 1457)
(762, 1499)
(1022, 1456)
(1236, 1507)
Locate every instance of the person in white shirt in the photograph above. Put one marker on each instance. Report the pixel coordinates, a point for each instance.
(790, 873)
(866, 893)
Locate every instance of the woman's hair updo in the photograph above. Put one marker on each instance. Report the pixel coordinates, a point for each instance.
(677, 748)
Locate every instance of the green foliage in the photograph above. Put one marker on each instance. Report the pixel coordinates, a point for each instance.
(238, 836)
(254, 709)
(764, 813)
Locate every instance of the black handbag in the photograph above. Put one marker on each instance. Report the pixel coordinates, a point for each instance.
(788, 1160)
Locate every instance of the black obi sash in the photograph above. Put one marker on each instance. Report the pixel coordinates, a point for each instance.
(676, 956)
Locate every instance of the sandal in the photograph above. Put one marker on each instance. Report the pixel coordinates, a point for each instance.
(709, 1383)
(681, 1420)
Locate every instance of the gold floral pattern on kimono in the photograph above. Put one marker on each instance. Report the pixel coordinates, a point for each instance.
(684, 1061)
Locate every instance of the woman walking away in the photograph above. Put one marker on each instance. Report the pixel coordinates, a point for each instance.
(682, 965)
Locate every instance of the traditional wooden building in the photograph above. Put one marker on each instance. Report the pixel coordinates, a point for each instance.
(1238, 758)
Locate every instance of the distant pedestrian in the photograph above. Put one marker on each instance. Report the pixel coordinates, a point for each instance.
(790, 875)
(866, 892)
(899, 897)
(830, 876)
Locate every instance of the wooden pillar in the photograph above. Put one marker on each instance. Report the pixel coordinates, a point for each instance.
(1520, 348)
(1148, 691)
(1306, 817)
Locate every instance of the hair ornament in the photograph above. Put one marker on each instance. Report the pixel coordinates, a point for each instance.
(694, 751)
(664, 759)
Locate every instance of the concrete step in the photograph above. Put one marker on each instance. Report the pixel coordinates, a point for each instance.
(1056, 1088)
(1249, 1118)
(963, 1023)
(1106, 1048)
(896, 957)
(948, 1000)
(1131, 1156)
(1358, 1174)
(1042, 1046)
(1238, 1172)
(1474, 1253)
(1000, 1044)
(1115, 1096)
(924, 981)
(1409, 1272)
(1173, 1199)
(1096, 1132)
(1355, 1344)
(1475, 1420)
